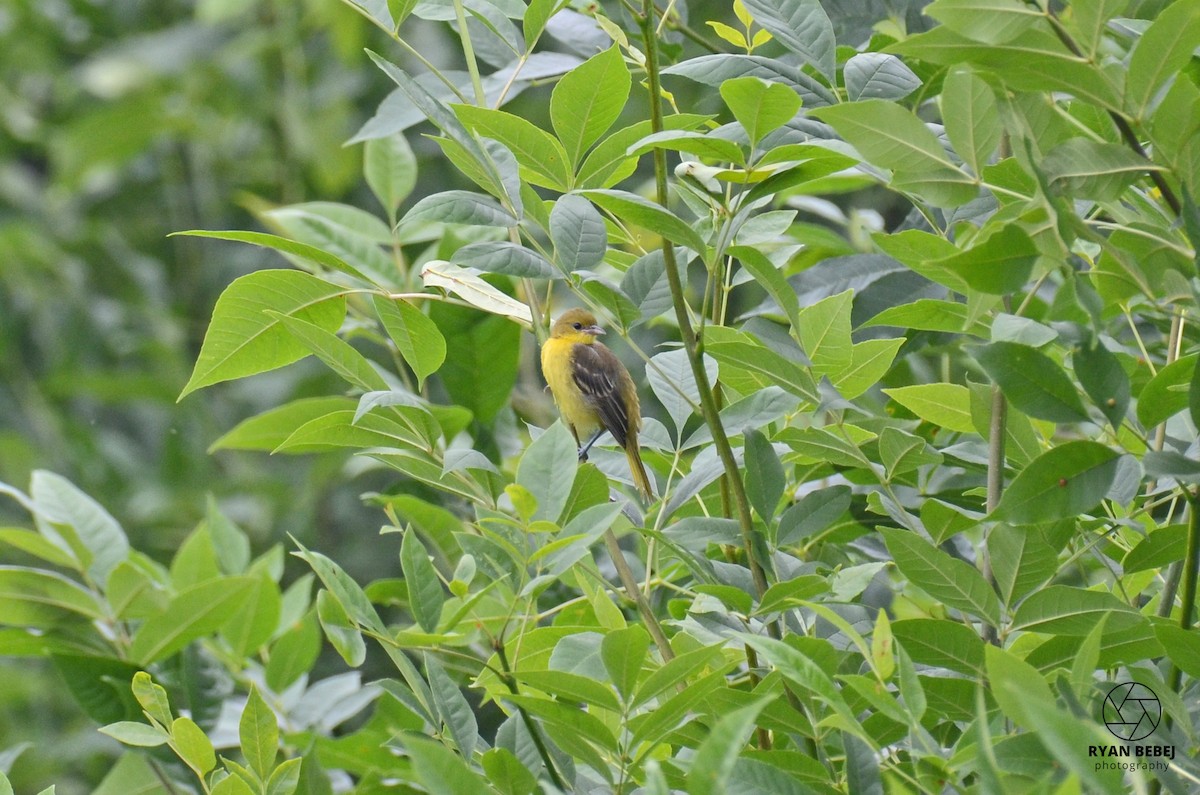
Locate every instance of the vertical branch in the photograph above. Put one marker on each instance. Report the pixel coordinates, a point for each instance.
(995, 486)
(635, 593)
(691, 344)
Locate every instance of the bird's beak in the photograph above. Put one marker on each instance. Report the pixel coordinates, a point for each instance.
(595, 331)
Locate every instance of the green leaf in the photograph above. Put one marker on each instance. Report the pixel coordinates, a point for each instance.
(341, 632)
(682, 668)
(713, 764)
(193, 746)
(266, 431)
(1167, 393)
(230, 542)
(483, 354)
(547, 470)
(439, 769)
(870, 361)
(258, 733)
(345, 589)
(1162, 547)
(37, 598)
(289, 248)
(903, 452)
(339, 355)
(588, 99)
(504, 770)
(610, 162)
(876, 75)
(459, 207)
(999, 265)
(353, 235)
(1032, 381)
(633, 209)
(802, 26)
(1183, 647)
(1194, 397)
(391, 171)
(293, 654)
(972, 122)
(693, 142)
(1064, 610)
(416, 336)
(233, 785)
(286, 778)
(941, 644)
(1033, 61)
(152, 697)
(623, 652)
(988, 21)
(139, 735)
(425, 596)
(945, 405)
(503, 257)
(1021, 561)
(1093, 169)
(60, 502)
(748, 365)
(572, 687)
(712, 70)
(1064, 482)
(243, 340)
(39, 546)
(1015, 684)
(800, 669)
(947, 579)
(452, 708)
(765, 478)
(255, 619)
(1063, 734)
(542, 159)
(824, 332)
(1161, 53)
(534, 20)
(770, 277)
(813, 513)
(1103, 380)
(580, 238)
(195, 612)
(892, 137)
(674, 384)
(760, 107)
(929, 314)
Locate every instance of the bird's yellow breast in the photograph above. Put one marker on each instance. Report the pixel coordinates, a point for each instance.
(556, 367)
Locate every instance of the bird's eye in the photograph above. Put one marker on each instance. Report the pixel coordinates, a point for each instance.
(578, 326)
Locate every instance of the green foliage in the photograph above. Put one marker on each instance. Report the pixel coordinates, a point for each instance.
(928, 485)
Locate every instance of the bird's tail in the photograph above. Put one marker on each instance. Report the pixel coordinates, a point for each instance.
(637, 469)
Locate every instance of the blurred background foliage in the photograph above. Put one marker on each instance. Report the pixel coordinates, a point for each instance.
(121, 122)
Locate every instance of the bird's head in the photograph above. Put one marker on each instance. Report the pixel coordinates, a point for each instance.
(578, 325)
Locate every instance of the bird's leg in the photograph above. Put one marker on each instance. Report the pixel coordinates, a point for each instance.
(583, 451)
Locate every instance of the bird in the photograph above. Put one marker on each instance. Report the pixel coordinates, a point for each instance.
(593, 390)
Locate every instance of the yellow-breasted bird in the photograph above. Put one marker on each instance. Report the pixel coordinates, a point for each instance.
(593, 390)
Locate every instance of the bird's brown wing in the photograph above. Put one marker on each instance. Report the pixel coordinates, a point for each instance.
(599, 375)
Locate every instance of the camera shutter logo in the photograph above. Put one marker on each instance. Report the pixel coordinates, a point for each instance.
(1132, 711)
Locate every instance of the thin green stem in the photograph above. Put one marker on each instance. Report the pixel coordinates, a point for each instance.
(635, 593)
(464, 35)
